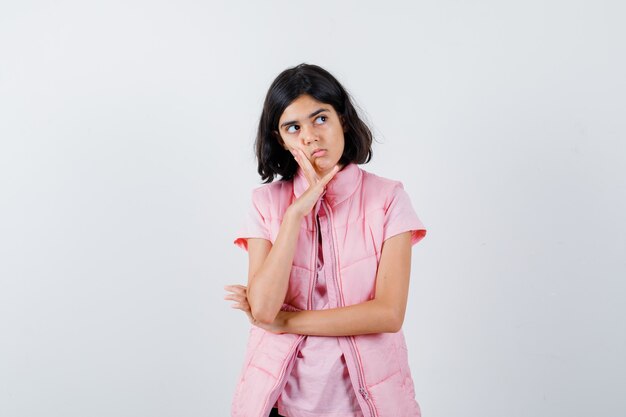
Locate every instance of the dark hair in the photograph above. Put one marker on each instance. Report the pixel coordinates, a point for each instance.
(273, 158)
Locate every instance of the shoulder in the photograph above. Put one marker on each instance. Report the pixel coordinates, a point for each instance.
(373, 180)
(267, 194)
(381, 188)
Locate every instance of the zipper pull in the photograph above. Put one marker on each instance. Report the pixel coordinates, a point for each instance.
(364, 393)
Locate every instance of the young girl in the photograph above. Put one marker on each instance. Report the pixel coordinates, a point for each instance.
(329, 248)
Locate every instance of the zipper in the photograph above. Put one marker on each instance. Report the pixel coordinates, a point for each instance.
(316, 239)
(360, 375)
(282, 379)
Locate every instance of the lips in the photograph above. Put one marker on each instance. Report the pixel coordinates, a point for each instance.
(317, 152)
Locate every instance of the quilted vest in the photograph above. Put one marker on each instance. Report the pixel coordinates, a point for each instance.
(362, 210)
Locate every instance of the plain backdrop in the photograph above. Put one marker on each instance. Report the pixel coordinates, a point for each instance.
(126, 166)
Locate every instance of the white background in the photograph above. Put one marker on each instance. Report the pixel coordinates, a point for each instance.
(126, 166)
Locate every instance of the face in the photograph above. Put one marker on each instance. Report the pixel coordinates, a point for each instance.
(314, 127)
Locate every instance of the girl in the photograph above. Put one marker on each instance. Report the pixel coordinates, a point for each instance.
(329, 248)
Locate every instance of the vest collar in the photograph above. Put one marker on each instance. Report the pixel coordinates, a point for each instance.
(342, 186)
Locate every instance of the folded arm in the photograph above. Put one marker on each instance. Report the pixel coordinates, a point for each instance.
(384, 313)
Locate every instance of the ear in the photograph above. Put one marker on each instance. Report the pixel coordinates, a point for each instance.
(343, 123)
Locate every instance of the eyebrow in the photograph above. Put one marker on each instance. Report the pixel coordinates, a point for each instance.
(293, 122)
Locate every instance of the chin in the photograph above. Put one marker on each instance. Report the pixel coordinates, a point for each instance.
(327, 163)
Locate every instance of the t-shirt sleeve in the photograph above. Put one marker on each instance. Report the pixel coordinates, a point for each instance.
(254, 224)
(401, 217)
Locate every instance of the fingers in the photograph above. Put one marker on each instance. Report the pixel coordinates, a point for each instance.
(238, 293)
(307, 168)
(235, 296)
(241, 307)
(326, 179)
(241, 302)
(236, 288)
(309, 171)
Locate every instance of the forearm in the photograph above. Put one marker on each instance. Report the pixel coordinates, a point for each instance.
(267, 289)
(372, 316)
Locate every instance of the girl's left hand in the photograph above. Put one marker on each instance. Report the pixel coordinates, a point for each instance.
(239, 295)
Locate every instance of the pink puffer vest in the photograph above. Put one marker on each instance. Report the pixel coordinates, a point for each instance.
(363, 210)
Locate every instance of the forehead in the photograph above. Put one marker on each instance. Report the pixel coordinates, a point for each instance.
(302, 107)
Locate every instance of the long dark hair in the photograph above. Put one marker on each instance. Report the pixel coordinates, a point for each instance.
(273, 158)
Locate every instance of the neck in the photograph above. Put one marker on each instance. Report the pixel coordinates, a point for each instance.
(322, 174)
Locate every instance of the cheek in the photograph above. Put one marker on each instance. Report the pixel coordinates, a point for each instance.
(341, 143)
(289, 143)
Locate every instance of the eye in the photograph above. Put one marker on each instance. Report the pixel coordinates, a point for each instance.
(289, 129)
(323, 118)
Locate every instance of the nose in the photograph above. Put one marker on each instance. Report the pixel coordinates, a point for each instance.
(307, 134)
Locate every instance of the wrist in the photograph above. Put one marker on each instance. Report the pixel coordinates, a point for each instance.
(285, 321)
(293, 214)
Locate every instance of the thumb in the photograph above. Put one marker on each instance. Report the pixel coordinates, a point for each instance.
(326, 179)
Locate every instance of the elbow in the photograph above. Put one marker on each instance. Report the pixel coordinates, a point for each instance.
(395, 322)
(264, 318)
(391, 316)
(394, 327)
(260, 310)
(263, 315)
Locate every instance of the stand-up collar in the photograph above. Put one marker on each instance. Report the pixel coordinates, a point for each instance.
(343, 184)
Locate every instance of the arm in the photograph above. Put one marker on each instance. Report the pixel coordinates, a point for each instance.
(385, 313)
(270, 267)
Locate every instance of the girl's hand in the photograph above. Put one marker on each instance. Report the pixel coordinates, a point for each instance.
(305, 203)
(239, 295)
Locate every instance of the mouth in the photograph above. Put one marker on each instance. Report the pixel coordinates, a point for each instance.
(318, 152)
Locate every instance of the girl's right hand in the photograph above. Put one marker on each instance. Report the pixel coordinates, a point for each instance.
(305, 203)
